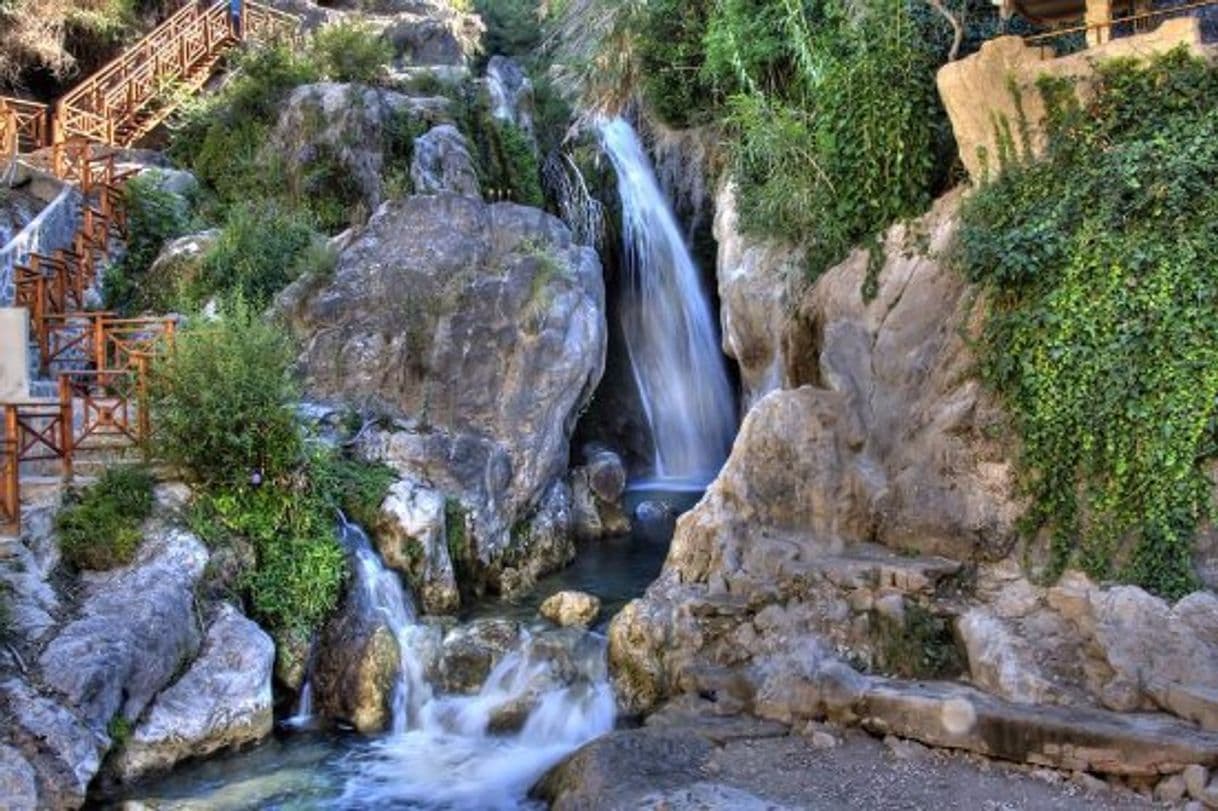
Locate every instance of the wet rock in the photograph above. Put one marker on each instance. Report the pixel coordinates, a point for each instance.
(222, 701)
(571, 609)
(480, 329)
(412, 537)
(541, 545)
(470, 652)
(442, 163)
(597, 488)
(356, 664)
(18, 785)
(135, 629)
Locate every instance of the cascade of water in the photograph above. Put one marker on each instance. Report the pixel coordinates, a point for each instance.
(666, 317)
(445, 752)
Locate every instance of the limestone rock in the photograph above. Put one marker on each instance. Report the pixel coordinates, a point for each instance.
(222, 701)
(65, 754)
(470, 652)
(179, 262)
(541, 544)
(435, 35)
(571, 609)
(481, 330)
(442, 163)
(756, 281)
(412, 538)
(135, 629)
(1195, 779)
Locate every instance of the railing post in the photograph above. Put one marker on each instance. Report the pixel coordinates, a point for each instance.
(143, 419)
(66, 428)
(99, 344)
(12, 470)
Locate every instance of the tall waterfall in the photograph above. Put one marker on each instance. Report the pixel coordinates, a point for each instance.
(666, 317)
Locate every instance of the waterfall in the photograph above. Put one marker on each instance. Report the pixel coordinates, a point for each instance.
(670, 332)
(445, 750)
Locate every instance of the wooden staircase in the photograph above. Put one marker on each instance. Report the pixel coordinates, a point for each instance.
(99, 361)
(129, 97)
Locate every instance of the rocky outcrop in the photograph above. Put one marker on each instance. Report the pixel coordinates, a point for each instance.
(63, 752)
(429, 33)
(470, 652)
(18, 785)
(349, 131)
(510, 92)
(179, 262)
(222, 701)
(571, 609)
(442, 163)
(479, 329)
(541, 544)
(136, 628)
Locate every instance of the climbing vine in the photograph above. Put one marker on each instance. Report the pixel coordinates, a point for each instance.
(1101, 268)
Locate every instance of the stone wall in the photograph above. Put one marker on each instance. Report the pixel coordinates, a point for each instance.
(980, 92)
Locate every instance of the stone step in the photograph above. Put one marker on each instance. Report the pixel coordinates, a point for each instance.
(1078, 739)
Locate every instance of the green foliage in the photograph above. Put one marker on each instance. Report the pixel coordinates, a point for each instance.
(513, 27)
(119, 729)
(155, 216)
(350, 52)
(356, 487)
(1101, 265)
(221, 401)
(503, 154)
(671, 56)
(920, 646)
(457, 534)
(99, 528)
(258, 253)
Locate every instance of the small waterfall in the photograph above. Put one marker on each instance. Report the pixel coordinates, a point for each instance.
(666, 317)
(382, 589)
(447, 751)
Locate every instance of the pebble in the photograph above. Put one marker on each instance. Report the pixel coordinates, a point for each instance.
(1195, 778)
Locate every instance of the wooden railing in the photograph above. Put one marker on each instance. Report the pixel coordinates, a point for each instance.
(24, 126)
(10, 484)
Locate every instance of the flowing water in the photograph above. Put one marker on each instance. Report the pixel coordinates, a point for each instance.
(671, 335)
(443, 751)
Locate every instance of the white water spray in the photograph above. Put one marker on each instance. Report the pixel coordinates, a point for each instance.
(666, 318)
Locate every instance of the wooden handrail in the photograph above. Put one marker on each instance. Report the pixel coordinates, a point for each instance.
(24, 125)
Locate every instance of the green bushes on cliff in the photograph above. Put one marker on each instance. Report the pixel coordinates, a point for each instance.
(1100, 268)
(350, 52)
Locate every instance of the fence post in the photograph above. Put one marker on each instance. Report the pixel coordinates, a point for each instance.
(66, 427)
(144, 419)
(12, 470)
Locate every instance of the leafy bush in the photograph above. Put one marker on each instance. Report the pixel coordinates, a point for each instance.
(221, 401)
(258, 253)
(350, 52)
(1101, 268)
(513, 27)
(99, 528)
(155, 216)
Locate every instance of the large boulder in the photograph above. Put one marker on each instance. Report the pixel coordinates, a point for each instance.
(63, 753)
(480, 330)
(596, 490)
(222, 701)
(571, 609)
(430, 33)
(18, 784)
(135, 630)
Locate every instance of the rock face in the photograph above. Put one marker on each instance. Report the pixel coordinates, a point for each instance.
(442, 163)
(429, 33)
(571, 609)
(350, 129)
(481, 330)
(597, 488)
(18, 785)
(180, 260)
(511, 93)
(222, 701)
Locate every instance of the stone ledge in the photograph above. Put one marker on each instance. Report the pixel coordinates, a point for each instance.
(959, 717)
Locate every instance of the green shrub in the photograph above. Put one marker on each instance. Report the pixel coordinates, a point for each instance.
(221, 401)
(1101, 268)
(155, 216)
(356, 487)
(350, 52)
(671, 54)
(513, 27)
(99, 528)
